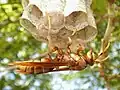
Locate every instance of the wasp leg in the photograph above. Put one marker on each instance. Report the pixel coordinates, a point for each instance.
(80, 49)
(48, 52)
(68, 46)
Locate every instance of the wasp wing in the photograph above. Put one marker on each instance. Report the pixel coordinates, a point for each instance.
(27, 67)
(39, 64)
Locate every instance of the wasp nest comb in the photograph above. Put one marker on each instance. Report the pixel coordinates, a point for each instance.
(68, 18)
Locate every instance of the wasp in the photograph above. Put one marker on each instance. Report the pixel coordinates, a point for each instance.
(63, 61)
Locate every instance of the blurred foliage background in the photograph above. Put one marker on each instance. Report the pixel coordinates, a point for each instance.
(18, 44)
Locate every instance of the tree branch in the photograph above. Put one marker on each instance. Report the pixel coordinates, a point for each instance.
(109, 29)
(105, 45)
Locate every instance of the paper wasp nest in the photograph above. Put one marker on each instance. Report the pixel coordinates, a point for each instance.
(68, 18)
